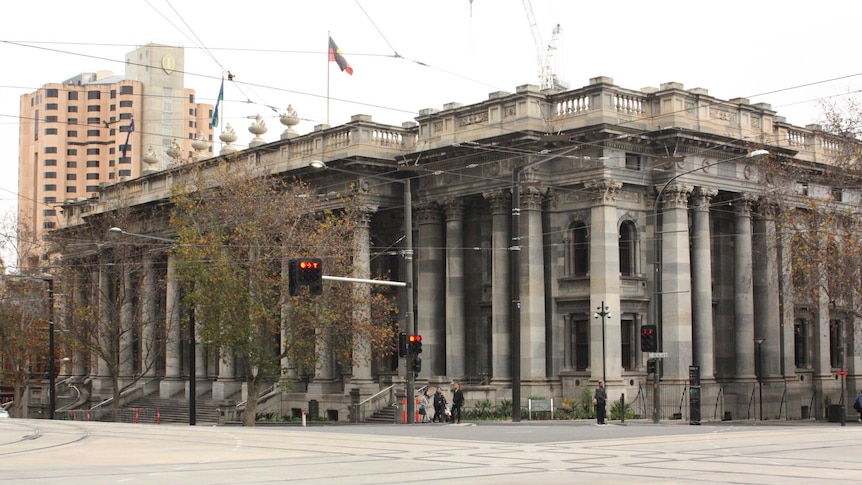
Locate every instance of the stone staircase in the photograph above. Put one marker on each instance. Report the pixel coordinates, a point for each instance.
(385, 415)
(171, 410)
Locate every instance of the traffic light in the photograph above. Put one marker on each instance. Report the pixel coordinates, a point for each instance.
(415, 342)
(402, 344)
(305, 272)
(650, 366)
(416, 365)
(649, 338)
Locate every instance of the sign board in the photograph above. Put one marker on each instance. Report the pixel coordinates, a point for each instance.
(658, 355)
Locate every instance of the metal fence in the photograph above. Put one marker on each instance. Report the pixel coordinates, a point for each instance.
(673, 402)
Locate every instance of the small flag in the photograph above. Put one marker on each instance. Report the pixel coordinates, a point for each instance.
(128, 135)
(336, 56)
(218, 101)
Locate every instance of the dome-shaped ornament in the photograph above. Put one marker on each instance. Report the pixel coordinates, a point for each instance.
(289, 119)
(227, 136)
(257, 128)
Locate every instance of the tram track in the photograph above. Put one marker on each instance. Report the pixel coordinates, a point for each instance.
(37, 436)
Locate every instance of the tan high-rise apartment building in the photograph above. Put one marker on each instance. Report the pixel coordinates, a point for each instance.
(98, 128)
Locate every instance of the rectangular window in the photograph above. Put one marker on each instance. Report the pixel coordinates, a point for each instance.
(125, 173)
(126, 103)
(835, 354)
(50, 200)
(50, 149)
(50, 162)
(92, 188)
(94, 107)
(127, 90)
(94, 95)
(51, 119)
(73, 95)
(92, 176)
(125, 116)
(112, 107)
(50, 131)
(581, 344)
(49, 187)
(72, 121)
(191, 99)
(93, 132)
(191, 124)
(113, 94)
(71, 189)
(800, 343)
(94, 121)
(49, 225)
(72, 133)
(71, 176)
(92, 163)
(52, 93)
(71, 164)
(92, 151)
(633, 162)
(627, 335)
(51, 107)
(49, 212)
(125, 160)
(72, 109)
(72, 151)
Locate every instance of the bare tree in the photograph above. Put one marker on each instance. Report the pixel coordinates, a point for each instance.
(237, 227)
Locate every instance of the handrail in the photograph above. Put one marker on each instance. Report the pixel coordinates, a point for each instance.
(264, 392)
(74, 401)
(375, 396)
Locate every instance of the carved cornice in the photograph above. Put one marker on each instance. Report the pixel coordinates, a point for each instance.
(702, 198)
(428, 213)
(604, 191)
(499, 201)
(675, 196)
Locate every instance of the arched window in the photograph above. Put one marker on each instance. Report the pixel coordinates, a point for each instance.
(580, 253)
(628, 248)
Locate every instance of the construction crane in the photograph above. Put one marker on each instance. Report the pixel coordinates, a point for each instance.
(544, 54)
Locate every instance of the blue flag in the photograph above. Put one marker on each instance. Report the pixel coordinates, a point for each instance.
(128, 134)
(218, 101)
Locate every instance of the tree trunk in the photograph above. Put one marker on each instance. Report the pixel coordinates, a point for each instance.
(250, 415)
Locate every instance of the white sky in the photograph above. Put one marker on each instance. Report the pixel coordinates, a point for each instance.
(803, 50)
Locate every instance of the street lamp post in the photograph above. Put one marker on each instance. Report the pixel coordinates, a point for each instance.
(192, 351)
(409, 320)
(603, 313)
(52, 379)
(759, 343)
(658, 270)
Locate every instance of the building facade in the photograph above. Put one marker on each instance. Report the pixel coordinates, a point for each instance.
(549, 227)
(76, 136)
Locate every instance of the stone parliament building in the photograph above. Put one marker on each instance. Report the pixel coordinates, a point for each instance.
(569, 187)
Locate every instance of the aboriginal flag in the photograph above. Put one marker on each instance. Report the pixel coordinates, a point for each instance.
(336, 56)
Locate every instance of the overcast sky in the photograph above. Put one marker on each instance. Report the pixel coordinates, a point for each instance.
(790, 55)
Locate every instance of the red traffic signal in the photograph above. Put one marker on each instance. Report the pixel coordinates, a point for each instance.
(415, 343)
(306, 272)
(649, 338)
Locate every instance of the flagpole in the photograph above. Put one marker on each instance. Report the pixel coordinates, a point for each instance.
(328, 53)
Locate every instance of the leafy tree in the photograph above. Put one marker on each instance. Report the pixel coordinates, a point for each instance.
(237, 228)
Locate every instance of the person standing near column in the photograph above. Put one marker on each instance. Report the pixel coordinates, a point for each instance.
(601, 398)
(457, 403)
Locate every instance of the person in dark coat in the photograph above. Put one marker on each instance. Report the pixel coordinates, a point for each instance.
(457, 403)
(439, 407)
(601, 398)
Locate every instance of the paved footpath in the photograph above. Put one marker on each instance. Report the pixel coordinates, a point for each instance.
(35, 452)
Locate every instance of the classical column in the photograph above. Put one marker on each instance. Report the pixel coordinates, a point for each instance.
(501, 298)
(103, 333)
(430, 305)
(703, 341)
(149, 351)
(532, 283)
(172, 382)
(127, 317)
(743, 289)
(676, 282)
(605, 336)
(362, 269)
(82, 285)
(455, 325)
(767, 310)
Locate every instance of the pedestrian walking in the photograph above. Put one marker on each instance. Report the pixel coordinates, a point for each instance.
(601, 399)
(425, 406)
(457, 403)
(439, 406)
